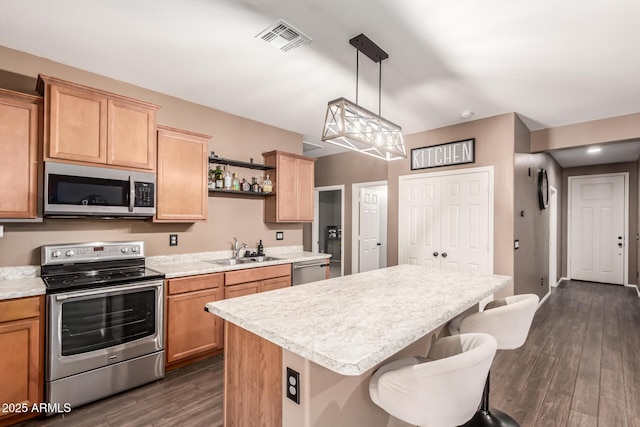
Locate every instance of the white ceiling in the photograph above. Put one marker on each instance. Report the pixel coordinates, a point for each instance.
(620, 152)
(552, 62)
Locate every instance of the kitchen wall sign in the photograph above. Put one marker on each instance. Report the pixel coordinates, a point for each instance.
(448, 154)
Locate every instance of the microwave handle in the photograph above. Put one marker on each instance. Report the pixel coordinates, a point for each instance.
(132, 192)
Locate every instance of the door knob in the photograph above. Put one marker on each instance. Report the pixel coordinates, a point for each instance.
(435, 254)
(444, 254)
(619, 237)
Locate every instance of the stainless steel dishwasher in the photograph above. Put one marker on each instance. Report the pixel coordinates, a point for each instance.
(309, 271)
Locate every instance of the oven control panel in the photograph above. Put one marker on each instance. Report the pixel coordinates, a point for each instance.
(87, 252)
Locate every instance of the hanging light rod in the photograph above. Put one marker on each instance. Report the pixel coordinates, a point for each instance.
(350, 126)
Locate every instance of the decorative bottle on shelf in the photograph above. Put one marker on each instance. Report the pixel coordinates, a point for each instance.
(267, 185)
(235, 182)
(255, 187)
(227, 179)
(212, 178)
(219, 178)
(245, 186)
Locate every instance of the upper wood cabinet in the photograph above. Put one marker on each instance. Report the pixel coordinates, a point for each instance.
(182, 194)
(20, 126)
(293, 184)
(87, 125)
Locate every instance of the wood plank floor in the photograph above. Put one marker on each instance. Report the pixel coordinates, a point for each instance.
(189, 396)
(581, 363)
(579, 367)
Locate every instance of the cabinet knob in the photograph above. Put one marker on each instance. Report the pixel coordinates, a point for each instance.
(435, 254)
(444, 254)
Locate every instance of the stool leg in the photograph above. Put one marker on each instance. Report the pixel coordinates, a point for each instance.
(486, 417)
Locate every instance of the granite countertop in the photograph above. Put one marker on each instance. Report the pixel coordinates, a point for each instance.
(23, 281)
(20, 288)
(191, 267)
(352, 323)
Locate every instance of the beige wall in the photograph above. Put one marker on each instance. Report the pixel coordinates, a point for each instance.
(347, 168)
(233, 137)
(531, 262)
(632, 169)
(614, 129)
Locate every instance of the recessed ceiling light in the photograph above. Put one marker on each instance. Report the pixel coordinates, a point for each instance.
(594, 150)
(466, 114)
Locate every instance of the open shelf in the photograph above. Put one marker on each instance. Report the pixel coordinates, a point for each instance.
(219, 192)
(239, 164)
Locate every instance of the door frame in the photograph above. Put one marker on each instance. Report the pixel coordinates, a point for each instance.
(625, 262)
(355, 221)
(464, 171)
(553, 237)
(315, 226)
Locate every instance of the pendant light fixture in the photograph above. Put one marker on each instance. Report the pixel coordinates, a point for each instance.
(348, 125)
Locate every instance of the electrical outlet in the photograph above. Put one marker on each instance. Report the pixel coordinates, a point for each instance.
(279, 235)
(293, 385)
(173, 240)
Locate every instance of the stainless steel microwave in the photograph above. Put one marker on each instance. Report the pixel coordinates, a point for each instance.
(75, 190)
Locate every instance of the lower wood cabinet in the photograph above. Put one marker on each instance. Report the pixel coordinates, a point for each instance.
(21, 358)
(191, 333)
(251, 281)
(189, 330)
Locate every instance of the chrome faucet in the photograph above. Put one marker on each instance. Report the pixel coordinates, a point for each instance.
(237, 247)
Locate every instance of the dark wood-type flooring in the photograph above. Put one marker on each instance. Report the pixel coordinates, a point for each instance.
(579, 367)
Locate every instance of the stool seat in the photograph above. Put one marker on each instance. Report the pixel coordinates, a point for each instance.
(441, 390)
(508, 320)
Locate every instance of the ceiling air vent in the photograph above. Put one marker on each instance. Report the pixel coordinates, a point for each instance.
(309, 146)
(284, 36)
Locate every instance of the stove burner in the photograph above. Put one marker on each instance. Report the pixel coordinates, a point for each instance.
(100, 278)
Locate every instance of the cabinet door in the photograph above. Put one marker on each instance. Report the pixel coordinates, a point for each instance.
(276, 283)
(294, 186)
(77, 128)
(19, 133)
(240, 290)
(304, 189)
(131, 135)
(190, 329)
(19, 362)
(182, 176)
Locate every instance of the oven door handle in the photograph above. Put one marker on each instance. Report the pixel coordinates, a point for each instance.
(105, 291)
(132, 192)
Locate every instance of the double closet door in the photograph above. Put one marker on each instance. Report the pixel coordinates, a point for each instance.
(445, 221)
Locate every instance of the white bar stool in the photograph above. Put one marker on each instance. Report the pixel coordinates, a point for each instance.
(441, 390)
(508, 320)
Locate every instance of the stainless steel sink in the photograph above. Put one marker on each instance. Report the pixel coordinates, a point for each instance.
(235, 261)
(231, 261)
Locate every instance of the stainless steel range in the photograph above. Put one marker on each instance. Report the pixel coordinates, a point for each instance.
(104, 320)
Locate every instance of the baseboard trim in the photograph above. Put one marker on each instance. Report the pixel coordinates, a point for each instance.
(544, 298)
(631, 285)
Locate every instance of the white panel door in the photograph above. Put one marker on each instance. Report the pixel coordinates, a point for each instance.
(597, 229)
(444, 222)
(465, 222)
(369, 230)
(419, 222)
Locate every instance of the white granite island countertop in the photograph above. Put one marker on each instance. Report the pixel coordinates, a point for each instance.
(352, 323)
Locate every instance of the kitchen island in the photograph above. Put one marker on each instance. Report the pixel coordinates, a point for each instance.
(335, 333)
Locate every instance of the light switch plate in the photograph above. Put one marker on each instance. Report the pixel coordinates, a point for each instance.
(279, 235)
(516, 244)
